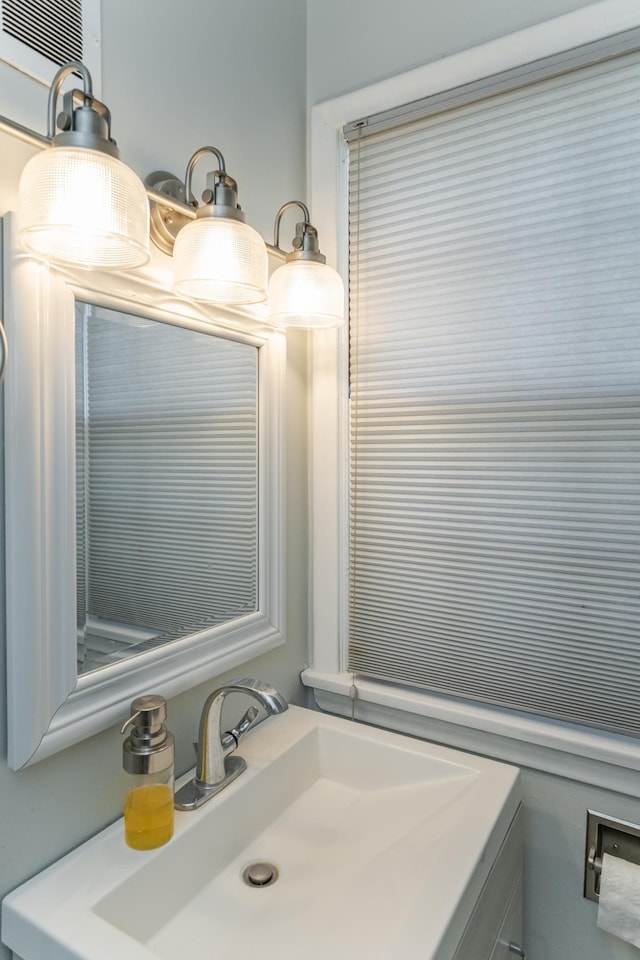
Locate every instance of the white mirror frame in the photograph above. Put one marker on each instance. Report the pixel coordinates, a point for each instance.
(49, 706)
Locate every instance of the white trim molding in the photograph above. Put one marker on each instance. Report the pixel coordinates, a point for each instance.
(49, 706)
(542, 744)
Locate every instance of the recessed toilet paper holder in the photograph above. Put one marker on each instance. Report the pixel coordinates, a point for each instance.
(607, 835)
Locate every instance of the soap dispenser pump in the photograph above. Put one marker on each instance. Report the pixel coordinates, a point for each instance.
(148, 759)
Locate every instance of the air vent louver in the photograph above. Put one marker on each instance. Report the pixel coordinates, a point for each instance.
(52, 28)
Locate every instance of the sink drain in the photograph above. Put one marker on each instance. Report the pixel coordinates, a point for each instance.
(260, 874)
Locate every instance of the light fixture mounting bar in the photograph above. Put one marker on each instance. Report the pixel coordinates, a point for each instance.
(25, 134)
(178, 206)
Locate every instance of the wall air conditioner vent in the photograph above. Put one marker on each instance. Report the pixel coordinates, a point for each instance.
(39, 35)
(52, 28)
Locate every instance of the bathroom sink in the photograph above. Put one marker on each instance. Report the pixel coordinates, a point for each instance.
(381, 844)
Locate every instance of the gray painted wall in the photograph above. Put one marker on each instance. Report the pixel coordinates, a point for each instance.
(176, 77)
(559, 923)
(351, 45)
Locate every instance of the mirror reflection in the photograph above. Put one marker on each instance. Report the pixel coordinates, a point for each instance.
(166, 483)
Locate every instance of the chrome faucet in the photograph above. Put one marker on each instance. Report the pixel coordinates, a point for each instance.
(215, 769)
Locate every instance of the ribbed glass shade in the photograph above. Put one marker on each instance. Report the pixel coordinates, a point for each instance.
(305, 293)
(220, 261)
(83, 207)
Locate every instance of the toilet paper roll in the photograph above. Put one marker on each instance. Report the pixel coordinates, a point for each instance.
(619, 904)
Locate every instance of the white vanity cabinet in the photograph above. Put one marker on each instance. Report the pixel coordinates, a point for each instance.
(385, 847)
(510, 938)
(494, 930)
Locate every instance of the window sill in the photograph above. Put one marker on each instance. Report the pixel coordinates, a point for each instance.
(577, 753)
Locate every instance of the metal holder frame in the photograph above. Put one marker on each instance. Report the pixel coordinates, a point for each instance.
(618, 838)
(87, 125)
(305, 242)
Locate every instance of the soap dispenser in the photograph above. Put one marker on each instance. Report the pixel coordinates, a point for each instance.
(147, 757)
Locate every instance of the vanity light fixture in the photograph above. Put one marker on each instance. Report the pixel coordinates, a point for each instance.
(304, 291)
(218, 257)
(78, 202)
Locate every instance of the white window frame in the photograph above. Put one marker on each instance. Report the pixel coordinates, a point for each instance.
(586, 755)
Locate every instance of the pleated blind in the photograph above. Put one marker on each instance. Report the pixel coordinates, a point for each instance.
(167, 479)
(495, 399)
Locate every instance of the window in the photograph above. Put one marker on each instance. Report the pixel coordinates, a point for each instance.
(495, 399)
(608, 513)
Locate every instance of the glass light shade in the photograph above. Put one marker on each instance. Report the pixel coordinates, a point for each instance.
(84, 207)
(306, 293)
(220, 261)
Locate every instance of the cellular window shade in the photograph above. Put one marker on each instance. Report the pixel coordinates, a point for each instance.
(166, 506)
(495, 400)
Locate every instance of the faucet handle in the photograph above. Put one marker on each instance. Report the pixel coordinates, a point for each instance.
(245, 724)
(231, 738)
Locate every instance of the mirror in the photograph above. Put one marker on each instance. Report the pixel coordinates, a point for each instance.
(144, 489)
(166, 483)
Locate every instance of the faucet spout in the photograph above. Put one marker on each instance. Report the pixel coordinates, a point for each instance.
(212, 746)
(214, 769)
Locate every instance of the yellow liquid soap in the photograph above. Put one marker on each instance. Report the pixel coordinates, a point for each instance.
(148, 816)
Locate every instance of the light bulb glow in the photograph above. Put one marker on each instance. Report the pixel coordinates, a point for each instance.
(83, 207)
(220, 261)
(306, 293)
